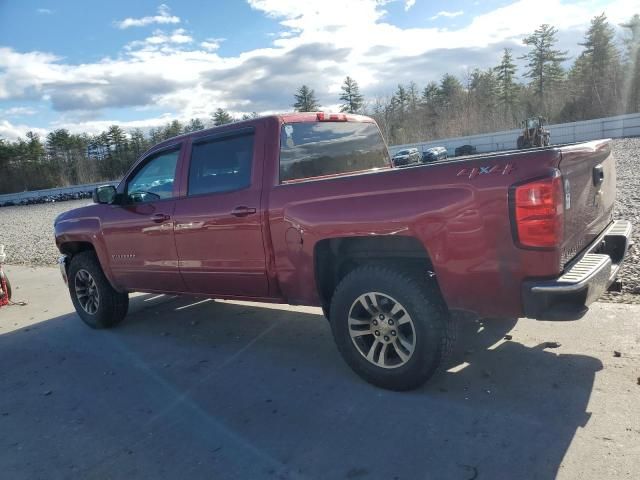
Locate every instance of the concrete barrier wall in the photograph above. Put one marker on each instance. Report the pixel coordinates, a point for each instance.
(16, 197)
(610, 127)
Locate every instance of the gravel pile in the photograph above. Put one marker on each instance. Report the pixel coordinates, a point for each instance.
(627, 154)
(27, 231)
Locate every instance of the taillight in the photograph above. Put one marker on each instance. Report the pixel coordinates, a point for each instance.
(537, 209)
(331, 117)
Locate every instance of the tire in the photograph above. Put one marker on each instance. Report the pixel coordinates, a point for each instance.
(520, 142)
(86, 275)
(421, 319)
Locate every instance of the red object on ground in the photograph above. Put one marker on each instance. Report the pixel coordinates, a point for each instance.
(4, 298)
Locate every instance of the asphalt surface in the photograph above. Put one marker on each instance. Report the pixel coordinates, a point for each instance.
(186, 388)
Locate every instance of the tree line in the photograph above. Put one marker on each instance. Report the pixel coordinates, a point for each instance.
(603, 80)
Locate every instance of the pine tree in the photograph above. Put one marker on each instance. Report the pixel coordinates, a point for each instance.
(631, 88)
(305, 100)
(507, 87)
(430, 94)
(601, 63)
(450, 89)
(221, 117)
(250, 116)
(400, 100)
(351, 96)
(484, 87)
(544, 63)
(413, 96)
(194, 125)
(173, 129)
(138, 142)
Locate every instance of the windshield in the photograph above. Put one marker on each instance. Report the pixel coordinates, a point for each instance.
(317, 149)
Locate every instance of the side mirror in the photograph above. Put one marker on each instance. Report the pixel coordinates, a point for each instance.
(104, 194)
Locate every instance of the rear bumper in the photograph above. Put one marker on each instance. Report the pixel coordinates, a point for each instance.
(585, 280)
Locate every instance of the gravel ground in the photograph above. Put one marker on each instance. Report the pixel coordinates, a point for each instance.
(27, 231)
(627, 154)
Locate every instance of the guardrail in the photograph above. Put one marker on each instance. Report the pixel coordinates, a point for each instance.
(610, 127)
(51, 192)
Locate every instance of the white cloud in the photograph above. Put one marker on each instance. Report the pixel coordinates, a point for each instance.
(447, 14)
(44, 11)
(212, 43)
(161, 40)
(408, 4)
(188, 77)
(18, 111)
(163, 17)
(13, 132)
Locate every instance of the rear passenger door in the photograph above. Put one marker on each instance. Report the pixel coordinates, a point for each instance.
(218, 229)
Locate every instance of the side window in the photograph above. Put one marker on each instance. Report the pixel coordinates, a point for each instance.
(221, 165)
(154, 181)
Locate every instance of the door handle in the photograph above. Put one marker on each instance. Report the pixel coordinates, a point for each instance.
(243, 211)
(160, 217)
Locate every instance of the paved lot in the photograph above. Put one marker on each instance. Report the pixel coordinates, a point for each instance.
(225, 390)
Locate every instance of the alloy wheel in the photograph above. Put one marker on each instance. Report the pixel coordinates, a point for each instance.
(87, 292)
(382, 330)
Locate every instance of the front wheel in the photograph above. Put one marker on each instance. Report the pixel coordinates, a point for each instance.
(97, 303)
(391, 326)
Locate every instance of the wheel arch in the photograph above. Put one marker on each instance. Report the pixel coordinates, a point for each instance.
(70, 248)
(336, 257)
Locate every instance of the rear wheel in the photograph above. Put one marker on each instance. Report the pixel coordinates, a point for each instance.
(520, 142)
(97, 303)
(391, 326)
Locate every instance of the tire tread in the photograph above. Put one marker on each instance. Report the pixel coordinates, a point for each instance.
(424, 293)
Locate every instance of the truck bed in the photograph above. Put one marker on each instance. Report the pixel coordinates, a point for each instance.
(458, 208)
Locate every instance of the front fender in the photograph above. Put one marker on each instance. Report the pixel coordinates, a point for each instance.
(85, 230)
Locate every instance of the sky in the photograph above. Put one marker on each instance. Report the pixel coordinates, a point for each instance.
(84, 65)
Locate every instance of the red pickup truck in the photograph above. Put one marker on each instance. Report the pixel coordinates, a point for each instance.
(307, 208)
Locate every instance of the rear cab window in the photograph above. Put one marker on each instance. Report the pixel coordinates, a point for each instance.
(310, 150)
(221, 164)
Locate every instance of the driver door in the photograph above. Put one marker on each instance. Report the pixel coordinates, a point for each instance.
(138, 232)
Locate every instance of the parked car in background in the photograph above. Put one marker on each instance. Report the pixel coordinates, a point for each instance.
(406, 157)
(434, 154)
(465, 150)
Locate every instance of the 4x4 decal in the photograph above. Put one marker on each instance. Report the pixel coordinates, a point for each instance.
(497, 169)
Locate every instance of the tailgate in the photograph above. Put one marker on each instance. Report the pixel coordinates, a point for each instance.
(589, 176)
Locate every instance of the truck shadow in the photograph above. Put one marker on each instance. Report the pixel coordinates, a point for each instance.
(193, 389)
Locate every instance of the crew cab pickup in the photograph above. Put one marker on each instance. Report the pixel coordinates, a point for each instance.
(307, 208)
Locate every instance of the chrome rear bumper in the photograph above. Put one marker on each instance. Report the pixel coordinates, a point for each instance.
(587, 278)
